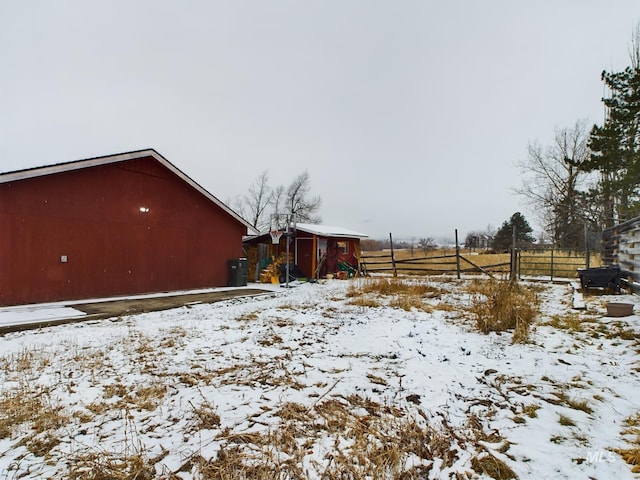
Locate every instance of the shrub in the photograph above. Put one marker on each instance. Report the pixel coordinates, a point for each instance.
(500, 306)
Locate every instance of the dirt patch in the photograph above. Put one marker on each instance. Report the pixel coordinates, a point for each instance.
(116, 308)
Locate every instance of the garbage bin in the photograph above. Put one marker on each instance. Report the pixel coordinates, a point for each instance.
(238, 269)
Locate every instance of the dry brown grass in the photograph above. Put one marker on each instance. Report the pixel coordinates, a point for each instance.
(365, 302)
(30, 415)
(141, 397)
(408, 303)
(104, 465)
(248, 317)
(402, 293)
(388, 286)
(620, 330)
(531, 410)
(31, 409)
(572, 322)
(488, 464)
(26, 361)
(631, 433)
(207, 417)
(369, 440)
(376, 379)
(126, 461)
(499, 306)
(631, 456)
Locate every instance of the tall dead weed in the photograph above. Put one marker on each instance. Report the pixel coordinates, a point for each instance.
(498, 306)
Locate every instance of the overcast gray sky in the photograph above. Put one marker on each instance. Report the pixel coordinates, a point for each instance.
(408, 115)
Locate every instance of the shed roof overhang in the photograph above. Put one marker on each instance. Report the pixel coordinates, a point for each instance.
(326, 231)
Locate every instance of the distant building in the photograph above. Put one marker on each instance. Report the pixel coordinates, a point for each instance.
(121, 224)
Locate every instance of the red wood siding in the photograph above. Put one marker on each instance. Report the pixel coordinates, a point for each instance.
(92, 216)
(304, 253)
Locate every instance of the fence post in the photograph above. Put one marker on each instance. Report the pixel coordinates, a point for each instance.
(514, 265)
(457, 255)
(393, 258)
(552, 264)
(586, 246)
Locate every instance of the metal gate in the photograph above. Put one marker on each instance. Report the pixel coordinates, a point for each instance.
(554, 263)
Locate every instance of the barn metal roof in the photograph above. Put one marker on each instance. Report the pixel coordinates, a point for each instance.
(119, 157)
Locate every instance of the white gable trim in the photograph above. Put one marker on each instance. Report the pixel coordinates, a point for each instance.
(120, 157)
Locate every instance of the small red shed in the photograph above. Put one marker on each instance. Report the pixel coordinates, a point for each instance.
(316, 250)
(121, 224)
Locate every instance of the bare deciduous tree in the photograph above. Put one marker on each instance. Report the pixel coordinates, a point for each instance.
(261, 200)
(298, 201)
(553, 181)
(278, 200)
(426, 244)
(634, 50)
(257, 200)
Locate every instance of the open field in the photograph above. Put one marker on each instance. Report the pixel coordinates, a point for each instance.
(366, 378)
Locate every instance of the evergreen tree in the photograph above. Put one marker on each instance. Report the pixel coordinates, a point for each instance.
(615, 146)
(504, 237)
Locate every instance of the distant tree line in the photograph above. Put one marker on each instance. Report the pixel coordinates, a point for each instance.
(500, 240)
(423, 245)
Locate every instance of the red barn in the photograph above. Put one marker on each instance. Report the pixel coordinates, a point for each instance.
(122, 224)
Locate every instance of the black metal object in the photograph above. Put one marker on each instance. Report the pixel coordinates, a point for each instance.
(600, 277)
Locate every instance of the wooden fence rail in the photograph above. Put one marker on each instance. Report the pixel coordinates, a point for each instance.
(549, 264)
(428, 264)
(518, 263)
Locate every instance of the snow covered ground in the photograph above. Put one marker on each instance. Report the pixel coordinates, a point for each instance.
(306, 379)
